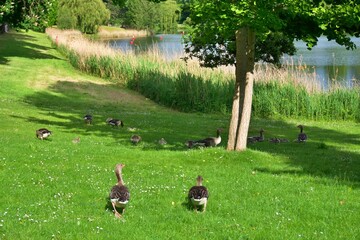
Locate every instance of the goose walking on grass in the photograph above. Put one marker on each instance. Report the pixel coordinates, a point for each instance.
(259, 138)
(43, 133)
(135, 139)
(119, 194)
(198, 195)
(206, 142)
(115, 122)
(302, 137)
(88, 119)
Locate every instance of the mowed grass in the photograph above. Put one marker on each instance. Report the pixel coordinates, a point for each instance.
(57, 189)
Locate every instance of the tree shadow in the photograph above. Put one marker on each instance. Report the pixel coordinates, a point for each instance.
(331, 160)
(66, 102)
(15, 44)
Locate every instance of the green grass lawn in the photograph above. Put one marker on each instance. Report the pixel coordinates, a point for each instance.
(56, 189)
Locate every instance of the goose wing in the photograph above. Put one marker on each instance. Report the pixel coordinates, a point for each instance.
(198, 192)
(120, 193)
(302, 137)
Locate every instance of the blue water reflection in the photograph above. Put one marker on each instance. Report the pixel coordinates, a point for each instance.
(171, 46)
(330, 61)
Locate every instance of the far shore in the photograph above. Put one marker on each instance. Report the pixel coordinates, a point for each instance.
(108, 32)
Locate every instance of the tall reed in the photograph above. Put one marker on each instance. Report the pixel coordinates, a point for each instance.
(288, 92)
(114, 32)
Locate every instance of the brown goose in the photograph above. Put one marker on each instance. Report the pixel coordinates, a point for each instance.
(135, 139)
(162, 141)
(43, 133)
(119, 194)
(207, 142)
(88, 119)
(198, 195)
(274, 140)
(278, 140)
(302, 137)
(76, 140)
(259, 138)
(114, 122)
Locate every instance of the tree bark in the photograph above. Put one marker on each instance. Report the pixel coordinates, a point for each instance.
(234, 119)
(242, 101)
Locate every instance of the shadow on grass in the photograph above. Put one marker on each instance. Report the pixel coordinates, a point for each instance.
(65, 103)
(21, 45)
(187, 204)
(314, 157)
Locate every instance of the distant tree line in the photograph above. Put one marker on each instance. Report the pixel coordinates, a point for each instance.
(155, 16)
(87, 15)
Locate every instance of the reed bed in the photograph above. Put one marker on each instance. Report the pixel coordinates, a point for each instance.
(113, 32)
(291, 91)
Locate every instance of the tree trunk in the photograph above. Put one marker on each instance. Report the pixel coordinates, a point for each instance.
(242, 101)
(234, 119)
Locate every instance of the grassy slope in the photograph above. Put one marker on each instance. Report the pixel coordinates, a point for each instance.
(58, 189)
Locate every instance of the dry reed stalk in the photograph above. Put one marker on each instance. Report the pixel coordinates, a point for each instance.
(73, 40)
(103, 33)
(299, 75)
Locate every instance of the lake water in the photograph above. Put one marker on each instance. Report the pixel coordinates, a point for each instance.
(330, 61)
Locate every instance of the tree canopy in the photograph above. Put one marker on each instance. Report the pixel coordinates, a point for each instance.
(276, 24)
(29, 14)
(241, 32)
(154, 16)
(85, 15)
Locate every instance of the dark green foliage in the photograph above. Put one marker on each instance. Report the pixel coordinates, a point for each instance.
(84, 15)
(154, 16)
(29, 14)
(141, 14)
(66, 20)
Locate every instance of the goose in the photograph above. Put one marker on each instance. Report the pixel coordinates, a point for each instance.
(207, 142)
(88, 119)
(278, 140)
(274, 140)
(302, 137)
(189, 143)
(259, 138)
(119, 194)
(198, 195)
(162, 141)
(43, 133)
(135, 139)
(76, 140)
(115, 122)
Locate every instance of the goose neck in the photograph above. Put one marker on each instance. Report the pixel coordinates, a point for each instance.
(119, 177)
